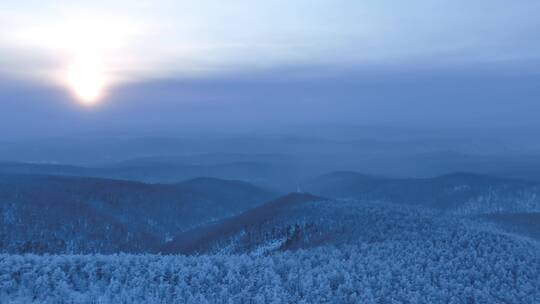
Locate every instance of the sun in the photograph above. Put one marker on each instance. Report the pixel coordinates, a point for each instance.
(87, 80)
(90, 52)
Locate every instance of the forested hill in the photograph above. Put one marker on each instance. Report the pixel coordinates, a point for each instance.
(299, 248)
(303, 221)
(57, 214)
(211, 236)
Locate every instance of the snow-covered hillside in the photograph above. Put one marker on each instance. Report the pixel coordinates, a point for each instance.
(299, 249)
(450, 268)
(54, 214)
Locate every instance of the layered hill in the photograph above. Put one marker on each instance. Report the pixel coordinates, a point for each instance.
(299, 248)
(216, 235)
(462, 193)
(40, 213)
(303, 221)
(261, 171)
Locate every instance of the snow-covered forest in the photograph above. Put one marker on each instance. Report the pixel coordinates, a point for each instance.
(459, 238)
(300, 251)
(460, 269)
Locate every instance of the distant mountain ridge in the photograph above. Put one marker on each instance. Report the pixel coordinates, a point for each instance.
(458, 192)
(158, 170)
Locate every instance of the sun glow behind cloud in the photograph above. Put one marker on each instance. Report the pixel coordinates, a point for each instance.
(91, 52)
(87, 79)
(89, 48)
(88, 52)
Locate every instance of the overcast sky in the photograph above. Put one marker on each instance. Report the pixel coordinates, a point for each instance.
(71, 66)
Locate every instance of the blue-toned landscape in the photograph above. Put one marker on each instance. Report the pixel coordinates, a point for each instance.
(375, 152)
(338, 237)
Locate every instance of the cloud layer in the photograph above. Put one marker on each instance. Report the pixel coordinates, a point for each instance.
(146, 39)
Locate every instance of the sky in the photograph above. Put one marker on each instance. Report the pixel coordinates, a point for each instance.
(70, 67)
